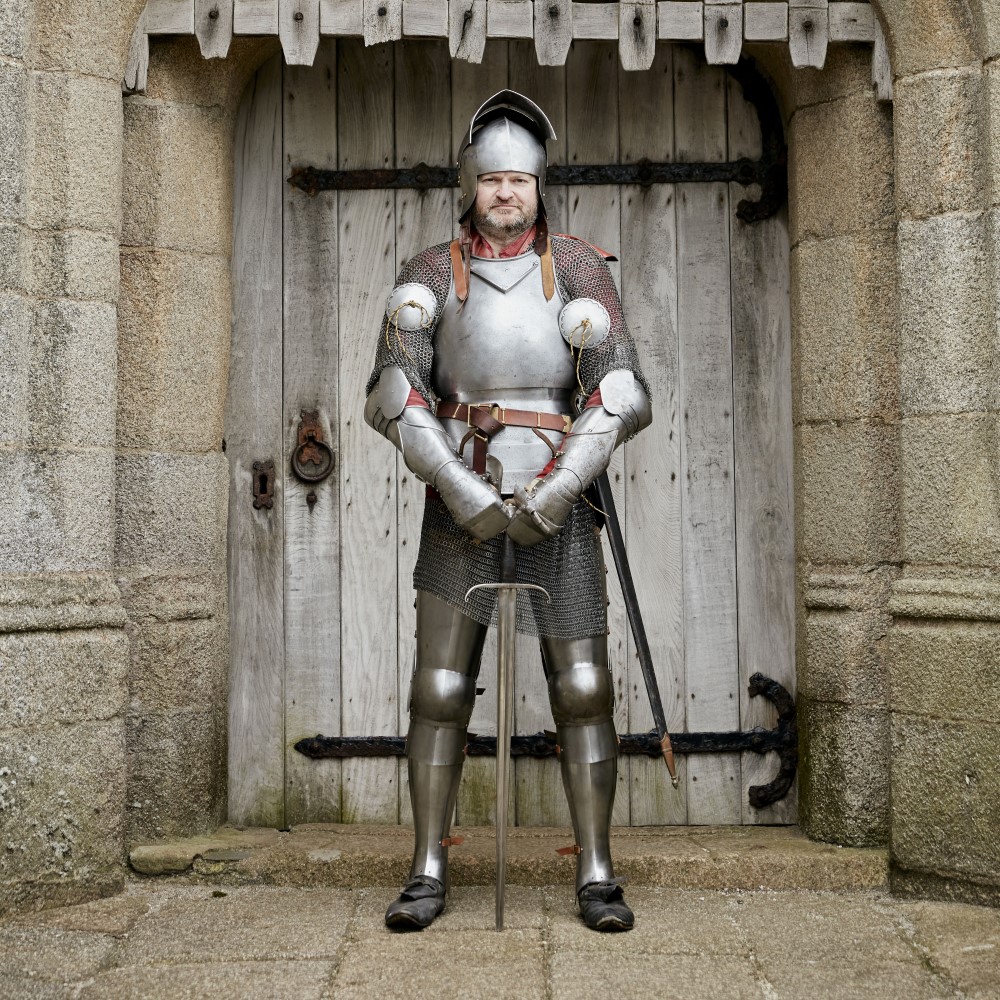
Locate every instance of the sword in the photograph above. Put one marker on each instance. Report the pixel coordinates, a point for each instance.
(506, 590)
(606, 504)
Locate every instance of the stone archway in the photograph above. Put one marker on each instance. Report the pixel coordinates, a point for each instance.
(87, 567)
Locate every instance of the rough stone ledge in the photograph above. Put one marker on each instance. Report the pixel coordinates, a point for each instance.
(340, 856)
(943, 886)
(852, 588)
(35, 602)
(971, 598)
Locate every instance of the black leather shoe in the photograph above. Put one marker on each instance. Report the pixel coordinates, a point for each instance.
(421, 900)
(603, 906)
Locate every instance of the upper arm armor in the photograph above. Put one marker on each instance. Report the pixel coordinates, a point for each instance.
(387, 400)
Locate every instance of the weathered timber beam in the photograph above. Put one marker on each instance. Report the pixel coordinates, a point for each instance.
(807, 27)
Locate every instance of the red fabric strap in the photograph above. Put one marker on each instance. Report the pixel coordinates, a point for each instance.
(415, 399)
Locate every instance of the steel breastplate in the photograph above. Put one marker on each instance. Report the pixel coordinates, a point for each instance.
(503, 346)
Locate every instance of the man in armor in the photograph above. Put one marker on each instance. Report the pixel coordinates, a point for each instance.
(506, 377)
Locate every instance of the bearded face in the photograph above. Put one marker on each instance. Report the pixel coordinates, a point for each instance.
(506, 204)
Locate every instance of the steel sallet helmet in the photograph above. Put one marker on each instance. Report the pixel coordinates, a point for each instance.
(508, 132)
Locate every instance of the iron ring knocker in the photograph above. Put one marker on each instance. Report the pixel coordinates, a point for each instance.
(313, 459)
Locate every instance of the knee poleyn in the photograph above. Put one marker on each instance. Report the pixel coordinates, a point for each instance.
(442, 697)
(582, 694)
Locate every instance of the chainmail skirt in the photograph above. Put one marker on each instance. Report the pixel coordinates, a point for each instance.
(570, 567)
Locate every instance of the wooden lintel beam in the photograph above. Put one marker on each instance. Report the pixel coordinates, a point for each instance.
(806, 26)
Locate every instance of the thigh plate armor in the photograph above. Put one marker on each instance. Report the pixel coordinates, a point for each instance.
(502, 348)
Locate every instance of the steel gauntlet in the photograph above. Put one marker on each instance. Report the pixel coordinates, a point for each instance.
(623, 411)
(429, 454)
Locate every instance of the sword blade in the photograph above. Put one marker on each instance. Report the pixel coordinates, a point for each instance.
(506, 618)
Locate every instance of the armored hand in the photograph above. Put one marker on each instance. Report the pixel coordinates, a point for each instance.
(623, 410)
(429, 454)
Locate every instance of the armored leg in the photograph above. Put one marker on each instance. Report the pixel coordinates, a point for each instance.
(442, 693)
(582, 699)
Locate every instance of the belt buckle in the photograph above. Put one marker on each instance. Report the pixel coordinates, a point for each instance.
(497, 412)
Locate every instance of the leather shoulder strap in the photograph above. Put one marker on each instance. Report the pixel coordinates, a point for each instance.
(596, 249)
(458, 271)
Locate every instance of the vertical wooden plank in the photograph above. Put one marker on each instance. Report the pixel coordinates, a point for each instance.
(637, 33)
(546, 86)
(366, 228)
(595, 215)
(467, 29)
(253, 434)
(298, 29)
(706, 379)
(762, 431)
(881, 66)
(652, 460)
(312, 531)
(213, 26)
(723, 31)
(423, 135)
(471, 84)
(137, 61)
(383, 20)
(553, 31)
(538, 791)
(808, 32)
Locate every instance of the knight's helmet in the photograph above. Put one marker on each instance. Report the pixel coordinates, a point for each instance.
(508, 132)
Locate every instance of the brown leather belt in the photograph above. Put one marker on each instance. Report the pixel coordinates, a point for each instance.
(486, 420)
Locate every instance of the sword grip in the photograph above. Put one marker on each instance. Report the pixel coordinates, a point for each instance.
(508, 563)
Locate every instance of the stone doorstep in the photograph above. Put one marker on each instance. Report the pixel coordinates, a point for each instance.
(343, 856)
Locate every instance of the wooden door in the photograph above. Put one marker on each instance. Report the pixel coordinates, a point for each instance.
(321, 599)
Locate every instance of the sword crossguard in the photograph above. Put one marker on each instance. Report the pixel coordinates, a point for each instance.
(510, 586)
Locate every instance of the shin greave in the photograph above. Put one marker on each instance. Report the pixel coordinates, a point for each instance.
(442, 694)
(582, 699)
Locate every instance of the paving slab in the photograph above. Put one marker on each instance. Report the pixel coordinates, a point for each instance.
(116, 915)
(655, 977)
(350, 856)
(822, 927)
(473, 965)
(863, 979)
(305, 980)
(471, 907)
(242, 924)
(167, 939)
(13, 987)
(961, 941)
(667, 922)
(52, 954)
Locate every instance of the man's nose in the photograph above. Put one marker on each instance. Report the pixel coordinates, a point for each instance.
(505, 190)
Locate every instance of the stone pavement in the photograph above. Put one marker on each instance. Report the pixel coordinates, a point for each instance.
(170, 941)
(216, 924)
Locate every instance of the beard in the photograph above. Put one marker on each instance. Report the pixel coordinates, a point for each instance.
(503, 225)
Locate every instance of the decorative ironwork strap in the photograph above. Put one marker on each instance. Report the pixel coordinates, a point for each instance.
(770, 171)
(782, 740)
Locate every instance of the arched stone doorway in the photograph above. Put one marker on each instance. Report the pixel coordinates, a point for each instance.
(321, 605)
